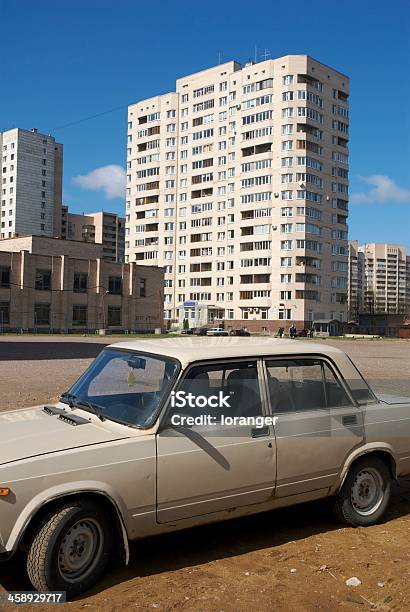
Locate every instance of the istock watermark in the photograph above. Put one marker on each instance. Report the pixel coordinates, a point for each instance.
(181, 399)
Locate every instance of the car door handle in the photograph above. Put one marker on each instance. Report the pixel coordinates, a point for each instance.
(260, 432)
(349, 419)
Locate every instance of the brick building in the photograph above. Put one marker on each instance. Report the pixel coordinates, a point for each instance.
(49, 284)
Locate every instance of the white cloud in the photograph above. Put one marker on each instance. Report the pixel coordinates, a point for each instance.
(109, 179)
(384, 189)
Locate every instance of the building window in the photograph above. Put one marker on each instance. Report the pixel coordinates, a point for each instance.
(143, 287)
(114, 316)
(115, 285)
(4, 314)
(43, 280)
(80, 282)
(79, 316)
(4, 277)
(42, 314)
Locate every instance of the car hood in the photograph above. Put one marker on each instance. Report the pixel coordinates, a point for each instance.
(392, 399)
(31, 432)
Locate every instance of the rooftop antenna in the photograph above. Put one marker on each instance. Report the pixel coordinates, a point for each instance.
(219, 57)
(256, 54)
(265, 55)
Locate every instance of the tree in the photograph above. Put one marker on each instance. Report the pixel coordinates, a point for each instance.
(186, 324)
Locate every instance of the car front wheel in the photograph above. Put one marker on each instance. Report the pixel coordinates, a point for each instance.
(71, 548)
(365, 494)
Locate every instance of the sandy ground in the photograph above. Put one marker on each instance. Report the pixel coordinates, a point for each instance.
(293, 559)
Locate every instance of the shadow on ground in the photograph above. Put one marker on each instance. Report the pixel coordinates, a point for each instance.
(34, 351)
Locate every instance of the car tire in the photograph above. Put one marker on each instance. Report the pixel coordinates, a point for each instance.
(365, 494)
(70, 549)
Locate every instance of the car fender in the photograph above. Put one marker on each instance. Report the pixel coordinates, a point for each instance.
(371, 447)
(59, 492)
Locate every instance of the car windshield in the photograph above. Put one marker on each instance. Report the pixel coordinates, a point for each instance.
(124, 386)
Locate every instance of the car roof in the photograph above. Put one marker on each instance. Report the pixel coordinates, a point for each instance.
(189, 349)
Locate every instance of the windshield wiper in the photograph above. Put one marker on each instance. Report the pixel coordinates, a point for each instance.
(94, 408)
(74, 402)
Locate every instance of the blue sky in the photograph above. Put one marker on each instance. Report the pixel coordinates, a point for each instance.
(68, 60)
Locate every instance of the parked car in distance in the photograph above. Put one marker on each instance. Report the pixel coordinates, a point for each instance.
(217, 331)
(201, 331)
(239, 332)
(164, 434)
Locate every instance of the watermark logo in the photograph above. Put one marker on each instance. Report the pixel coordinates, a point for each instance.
(220, 401)
(180, 399)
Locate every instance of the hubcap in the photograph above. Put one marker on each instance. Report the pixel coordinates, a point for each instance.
(80, 550)
(367, 491)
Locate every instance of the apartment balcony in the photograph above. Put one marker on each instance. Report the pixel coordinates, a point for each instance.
(341, 298)
(307, 294)
(151, 186)
(342, 205)
(249, 296)
(257, 149)
(308, 79)
(201, 193)
(152, 227)
(308, 262)
(247, 215)
(342, 219)
(254, 279)
(200, 267)
(308, 279)
(154, 199)
(247, 231)
(202, 282)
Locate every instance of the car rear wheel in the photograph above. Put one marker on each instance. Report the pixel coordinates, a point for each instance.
(365, 494)
(70, 549)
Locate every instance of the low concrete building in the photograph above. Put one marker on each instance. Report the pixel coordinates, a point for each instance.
(49, 284)
(382, 324)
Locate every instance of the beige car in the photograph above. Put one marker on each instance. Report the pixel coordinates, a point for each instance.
(161, 435)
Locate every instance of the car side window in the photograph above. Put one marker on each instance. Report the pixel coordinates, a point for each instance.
(230, 389)
(297, 385)
(336, 396)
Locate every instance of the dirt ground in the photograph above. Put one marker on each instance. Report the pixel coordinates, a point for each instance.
(293, 559)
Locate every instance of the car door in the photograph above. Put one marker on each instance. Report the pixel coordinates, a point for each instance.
(219, 463)
(318, 423)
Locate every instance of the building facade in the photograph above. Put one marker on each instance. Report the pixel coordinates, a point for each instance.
(379, 280)
(31, 183)
(237, 184)
(48, 284)
(102, 227)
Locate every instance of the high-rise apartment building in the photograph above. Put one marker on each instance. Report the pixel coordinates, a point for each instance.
(408, 285)
(102, 227)
(31, 184)
(237, 184)
(378, 279)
